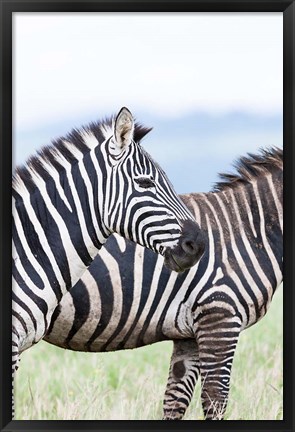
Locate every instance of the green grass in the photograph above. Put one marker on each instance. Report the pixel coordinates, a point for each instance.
(56, 384)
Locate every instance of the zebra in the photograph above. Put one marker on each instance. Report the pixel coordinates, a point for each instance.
(69, 198)
(127, 298)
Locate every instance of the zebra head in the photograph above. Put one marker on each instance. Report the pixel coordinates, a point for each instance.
(141, 204)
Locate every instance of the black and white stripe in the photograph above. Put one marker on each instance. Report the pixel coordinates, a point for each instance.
(128, 298)
(66, 202)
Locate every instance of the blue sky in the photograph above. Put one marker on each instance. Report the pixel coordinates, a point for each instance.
(210, 85)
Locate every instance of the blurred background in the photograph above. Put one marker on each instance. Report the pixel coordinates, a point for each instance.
(210, 85)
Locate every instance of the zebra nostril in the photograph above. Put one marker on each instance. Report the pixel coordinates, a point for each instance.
(189, 246)
(161, 249)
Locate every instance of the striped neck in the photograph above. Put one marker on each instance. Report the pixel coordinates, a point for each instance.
(244, 229)
(57, 223)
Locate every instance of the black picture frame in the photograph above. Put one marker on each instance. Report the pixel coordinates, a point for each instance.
(8, 7)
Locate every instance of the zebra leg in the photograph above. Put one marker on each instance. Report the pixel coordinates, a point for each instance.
(15, 361)
(183, 375)
(217, 340)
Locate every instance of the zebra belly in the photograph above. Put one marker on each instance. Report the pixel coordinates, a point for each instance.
(97, 315)
(95, 334)
(85, 323)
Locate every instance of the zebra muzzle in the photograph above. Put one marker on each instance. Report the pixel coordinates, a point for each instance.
(188, 251)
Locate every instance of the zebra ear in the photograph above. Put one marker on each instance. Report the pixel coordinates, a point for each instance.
(124, 128)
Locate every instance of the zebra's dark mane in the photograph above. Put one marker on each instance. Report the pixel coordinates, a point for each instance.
(250, 167)
(76, 137)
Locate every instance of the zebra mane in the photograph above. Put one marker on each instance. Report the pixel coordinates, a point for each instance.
(70, 147)
(250, 167)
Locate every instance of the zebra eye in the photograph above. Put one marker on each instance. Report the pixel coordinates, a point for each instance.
(145, 182)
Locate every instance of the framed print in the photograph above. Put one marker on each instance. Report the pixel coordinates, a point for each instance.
(144, 145)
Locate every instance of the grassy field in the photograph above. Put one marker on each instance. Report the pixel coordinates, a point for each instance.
(56, 384)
